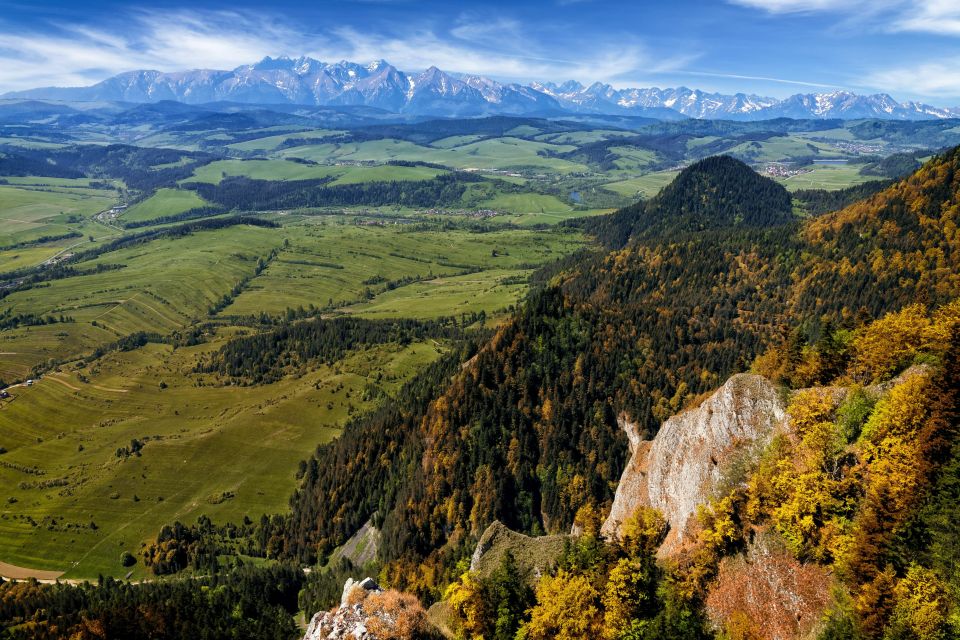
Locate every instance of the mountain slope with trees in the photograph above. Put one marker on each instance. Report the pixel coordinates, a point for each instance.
(527, 432)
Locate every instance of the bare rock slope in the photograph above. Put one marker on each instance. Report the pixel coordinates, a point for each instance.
(682, 466)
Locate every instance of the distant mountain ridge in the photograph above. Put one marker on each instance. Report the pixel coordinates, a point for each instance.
(306, 81)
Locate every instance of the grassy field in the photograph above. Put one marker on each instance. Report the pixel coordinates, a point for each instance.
(158, 286)
(527, 203)
(80, 505)
(70, 504)
(455, 141)
(45, 181)
(496, 153)
(784, 147)
(269, 143)
(30, 212)
(162, 286)
(828, 177)
(31, 256)
(165, 202)
(645, 186)
(385, 173)
(260, 170)
(29, 144)
(336, 264)
(289, 170)
(833, 134)
(493, 289)
(633, 159)
(583, 137)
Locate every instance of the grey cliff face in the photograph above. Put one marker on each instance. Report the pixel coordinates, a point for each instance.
(682, 466)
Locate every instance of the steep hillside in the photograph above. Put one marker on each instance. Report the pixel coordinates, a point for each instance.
(903, 241)
(827, 520)
(527, 433)
(716, 193)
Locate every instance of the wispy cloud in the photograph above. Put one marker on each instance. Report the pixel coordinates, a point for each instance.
(933, 79)
(923, 16)
(927, 78)
(931, 16)
(793, 6)
(514, 58)
(70, 55)
(737, 76)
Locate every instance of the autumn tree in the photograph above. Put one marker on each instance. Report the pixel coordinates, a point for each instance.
(568, 608)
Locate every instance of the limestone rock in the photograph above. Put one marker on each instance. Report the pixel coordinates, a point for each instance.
(681, 467)
(351, 620)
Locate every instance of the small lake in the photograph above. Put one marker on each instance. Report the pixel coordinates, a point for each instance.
(830, 161)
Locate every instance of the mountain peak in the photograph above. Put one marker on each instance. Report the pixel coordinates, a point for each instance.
(270, 64)
(378, 84)
(716, 192)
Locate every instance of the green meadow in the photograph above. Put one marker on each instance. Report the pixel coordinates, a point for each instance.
(160, 286)
(830, 177)
(494, 289)
(269, 143)
(493, 153)
(645, 186)
(72, 504)
(288, 170)
(29, 212)
(165, 202)
(330, 264)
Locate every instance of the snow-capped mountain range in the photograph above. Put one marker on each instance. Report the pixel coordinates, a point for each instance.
(305, 81)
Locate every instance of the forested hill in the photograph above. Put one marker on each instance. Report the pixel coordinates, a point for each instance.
(527, 433)
(718, 192)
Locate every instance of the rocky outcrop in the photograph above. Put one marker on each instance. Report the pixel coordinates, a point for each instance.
(367, 612)
(361, 549)
(681, 467)
(535, 556)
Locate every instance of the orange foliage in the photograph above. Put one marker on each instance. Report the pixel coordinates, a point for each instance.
(395, 616)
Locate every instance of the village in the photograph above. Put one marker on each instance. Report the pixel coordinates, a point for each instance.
(782, 170)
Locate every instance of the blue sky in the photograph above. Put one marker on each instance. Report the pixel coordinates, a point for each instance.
(908, 48)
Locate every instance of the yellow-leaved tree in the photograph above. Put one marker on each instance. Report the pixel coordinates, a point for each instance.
(922, 606)
(568, 608)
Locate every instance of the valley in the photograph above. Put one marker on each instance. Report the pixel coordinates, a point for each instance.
(239, 341)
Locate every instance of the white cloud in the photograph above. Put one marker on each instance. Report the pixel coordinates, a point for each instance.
(932, 79)
(472, 28)
(924, 16)
(860, 9)
(927, 79)
(421, 49)
(932, 16)
(70, 55)
(792, 6)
